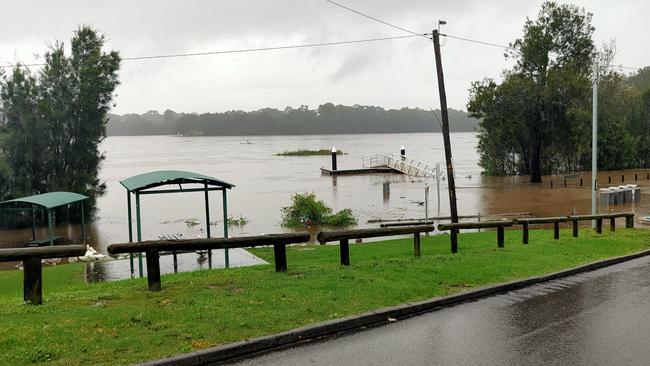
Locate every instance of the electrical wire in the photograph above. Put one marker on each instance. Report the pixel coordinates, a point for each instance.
(512, 48)
(376, 19)
(247, 50)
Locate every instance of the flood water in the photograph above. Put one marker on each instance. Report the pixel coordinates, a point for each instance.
(265, 182)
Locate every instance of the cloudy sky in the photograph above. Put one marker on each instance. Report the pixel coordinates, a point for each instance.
(392, 74)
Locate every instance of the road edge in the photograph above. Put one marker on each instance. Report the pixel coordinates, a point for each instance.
(256, 346)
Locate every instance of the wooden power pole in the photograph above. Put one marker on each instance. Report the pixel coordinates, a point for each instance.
(445, 134)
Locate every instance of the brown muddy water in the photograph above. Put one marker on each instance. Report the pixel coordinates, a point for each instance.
(264, 184)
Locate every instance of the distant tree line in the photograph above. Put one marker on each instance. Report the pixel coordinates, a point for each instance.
(537, 120)
(52, 120)
(326, 119)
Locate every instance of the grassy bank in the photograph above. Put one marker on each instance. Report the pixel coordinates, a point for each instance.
(120, 322)
(309, 152)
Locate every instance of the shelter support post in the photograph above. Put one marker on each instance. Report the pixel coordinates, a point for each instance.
(225, 224)
(207, 222)
(130, 219)
(138, 225)
(33, 224)
(83, 224)
(49, 226)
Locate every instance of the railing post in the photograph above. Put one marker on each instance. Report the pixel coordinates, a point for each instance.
(500, 235)
(344, 246)
(525, 235)
(280, 257)
(629, 222)
(33, 280)
(416, 245)
(612, 224)
(556, 230)
(575, 228)
(453, 235)
(153, 270)
(599, 226)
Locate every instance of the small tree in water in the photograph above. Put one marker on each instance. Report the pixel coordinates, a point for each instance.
(306, 209)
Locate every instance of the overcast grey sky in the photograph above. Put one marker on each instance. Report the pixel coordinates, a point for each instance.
(392, 74)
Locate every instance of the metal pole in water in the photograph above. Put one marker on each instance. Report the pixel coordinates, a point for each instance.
(333, 158)
(438, 186)
(426, 205)
(594, 142)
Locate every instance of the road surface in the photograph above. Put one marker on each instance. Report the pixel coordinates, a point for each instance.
(596, 318)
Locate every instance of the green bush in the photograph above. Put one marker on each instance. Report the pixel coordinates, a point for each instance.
(306, 209)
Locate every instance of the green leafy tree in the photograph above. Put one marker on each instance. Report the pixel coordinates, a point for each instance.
(56, 118)
(553, 60)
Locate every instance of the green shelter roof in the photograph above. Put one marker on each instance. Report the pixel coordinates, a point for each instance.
(165, 177)
(49, 200)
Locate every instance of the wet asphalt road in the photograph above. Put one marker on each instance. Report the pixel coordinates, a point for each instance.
(596, 318)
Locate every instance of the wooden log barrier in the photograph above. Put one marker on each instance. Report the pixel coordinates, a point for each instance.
(32, 267)
(526, 222)
(153, 248)
(499, 225)
(344, 236)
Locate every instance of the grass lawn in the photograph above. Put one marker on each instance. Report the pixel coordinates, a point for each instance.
(120, 322)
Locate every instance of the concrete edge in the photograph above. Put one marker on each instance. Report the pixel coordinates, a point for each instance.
(256, 346)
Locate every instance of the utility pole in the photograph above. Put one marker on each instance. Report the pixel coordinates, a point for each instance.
(445, 135)
(594, 142)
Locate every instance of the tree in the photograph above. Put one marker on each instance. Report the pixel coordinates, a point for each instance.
(56, 118)
(553, 60)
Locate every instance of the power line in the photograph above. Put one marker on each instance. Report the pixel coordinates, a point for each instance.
(478, 42)
(376, 19)
(512, 48)
(247, 50)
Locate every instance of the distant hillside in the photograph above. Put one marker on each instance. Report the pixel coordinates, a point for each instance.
(327, 119)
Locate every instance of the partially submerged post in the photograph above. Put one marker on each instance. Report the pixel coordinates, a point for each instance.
(145, 183)
(334, 167)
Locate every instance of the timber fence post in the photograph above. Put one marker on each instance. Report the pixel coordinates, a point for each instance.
(525, 234)
(280, 257)
(33, 280)
(416, 245)
(153, 270)
(500, 236)
(345, 252)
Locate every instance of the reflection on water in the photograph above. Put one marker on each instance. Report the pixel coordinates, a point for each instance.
(120, 269)
(264, 183)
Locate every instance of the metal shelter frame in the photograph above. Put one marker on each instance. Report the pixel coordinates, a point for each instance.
(145, 183)
(49, 201)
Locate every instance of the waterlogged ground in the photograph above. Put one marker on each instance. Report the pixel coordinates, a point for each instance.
(264, 183)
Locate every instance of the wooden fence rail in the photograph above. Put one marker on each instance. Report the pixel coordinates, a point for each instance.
(153, 248)
(526, 222)
(32, 267)
(344, 236)
(499, 225)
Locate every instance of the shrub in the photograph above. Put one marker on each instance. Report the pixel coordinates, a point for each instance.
(306, 209)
